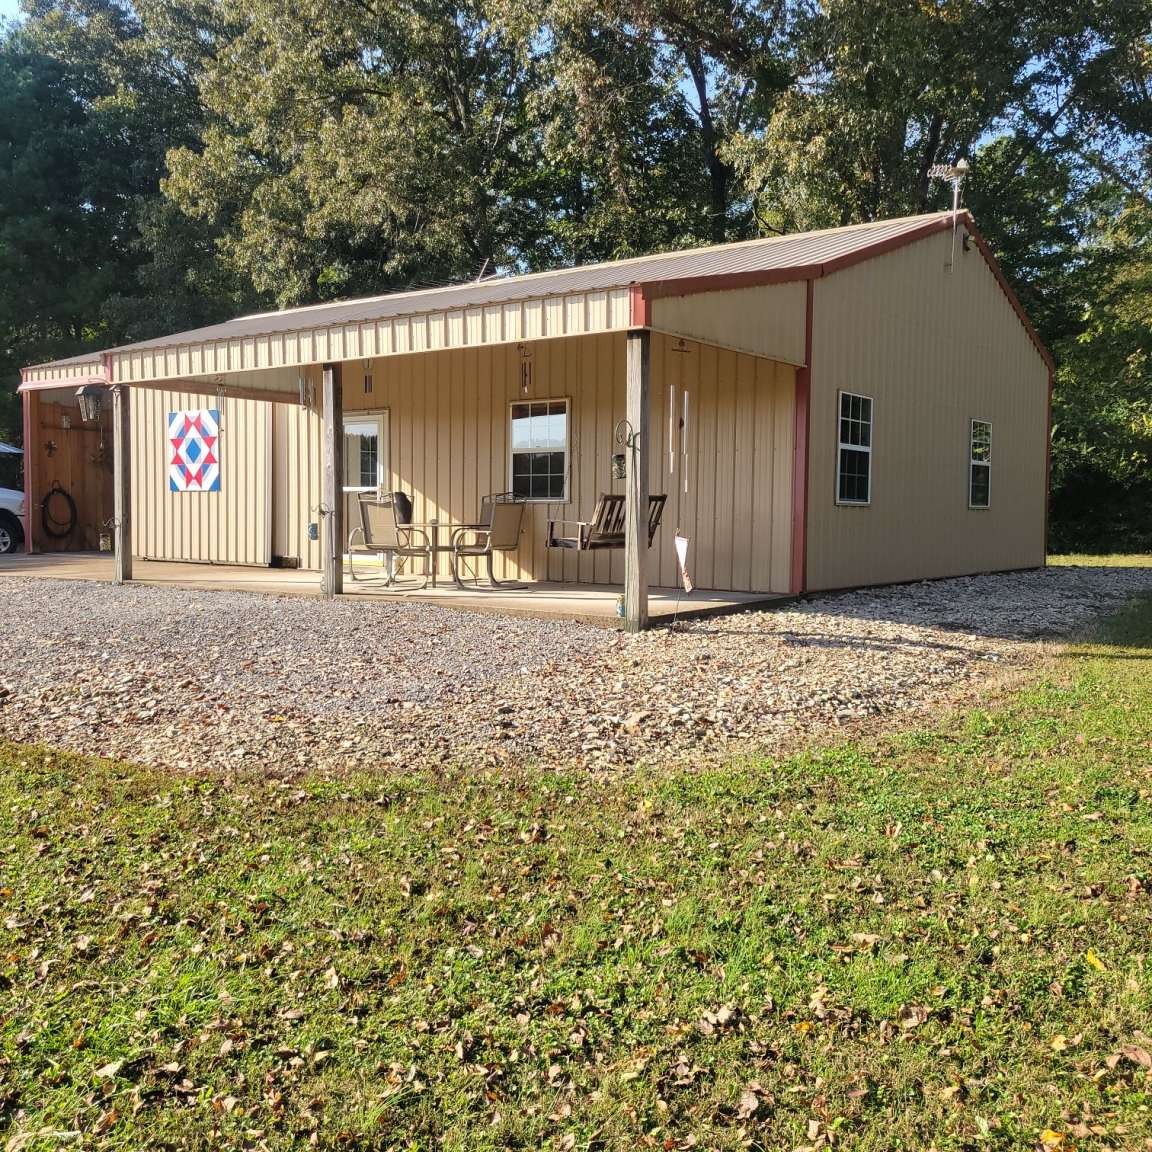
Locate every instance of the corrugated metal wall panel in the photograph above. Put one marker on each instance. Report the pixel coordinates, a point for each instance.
(934, 349)
(449, 415)
(765, 321)
(465, 326)
(232, 526)
(296, 481)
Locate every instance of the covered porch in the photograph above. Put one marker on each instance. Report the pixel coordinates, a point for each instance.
(561, 389)
(595, 604)
(561, 423)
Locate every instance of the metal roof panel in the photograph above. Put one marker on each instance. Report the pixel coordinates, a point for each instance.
(795, 252)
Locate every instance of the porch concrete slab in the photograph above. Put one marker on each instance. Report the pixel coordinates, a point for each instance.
(595, 603)
(98, 566)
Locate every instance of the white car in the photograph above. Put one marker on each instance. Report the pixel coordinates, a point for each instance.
(11, 520)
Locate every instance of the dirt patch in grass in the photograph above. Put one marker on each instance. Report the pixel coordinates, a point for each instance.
(934, 940)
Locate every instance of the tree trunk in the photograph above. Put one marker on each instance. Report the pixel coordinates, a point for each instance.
(927, 159)
(719, 173)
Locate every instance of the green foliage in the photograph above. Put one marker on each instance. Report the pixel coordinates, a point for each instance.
(1102, 461)
(350, 148)
(933, 940)
(89, 254)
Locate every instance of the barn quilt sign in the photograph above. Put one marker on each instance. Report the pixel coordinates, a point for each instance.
(194, 442)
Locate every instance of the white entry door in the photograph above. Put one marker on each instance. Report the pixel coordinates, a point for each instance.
(366, 463)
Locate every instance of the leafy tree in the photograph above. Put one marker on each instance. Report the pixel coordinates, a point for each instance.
(167, 161)
(1102, 460)
(1079, 248)
(352, 147)
(90, 255)
(887, 88)
(54, 267)
(647, 97)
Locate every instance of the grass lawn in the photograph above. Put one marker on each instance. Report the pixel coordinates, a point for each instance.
(939, 940)
(1115, 560)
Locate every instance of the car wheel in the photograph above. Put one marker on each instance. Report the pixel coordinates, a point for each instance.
(10, 535)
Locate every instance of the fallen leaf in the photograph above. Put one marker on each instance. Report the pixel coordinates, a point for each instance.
(912, 1016)
(106, 1121)
(1137, 1055)
(1095, 961)
(749, 1102)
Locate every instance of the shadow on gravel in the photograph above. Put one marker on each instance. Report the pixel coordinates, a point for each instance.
(816, 640)
(1052, 603)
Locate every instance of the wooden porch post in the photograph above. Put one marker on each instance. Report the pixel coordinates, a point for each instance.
(636, 500)
(31, 479)
(122, 482)
(332, 491)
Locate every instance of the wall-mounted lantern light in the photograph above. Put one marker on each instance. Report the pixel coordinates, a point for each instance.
(90, 398)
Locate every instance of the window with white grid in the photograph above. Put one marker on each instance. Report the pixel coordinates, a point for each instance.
(854, 450)
(539, 465)
(980, 464)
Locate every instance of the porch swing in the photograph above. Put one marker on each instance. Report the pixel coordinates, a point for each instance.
(606, 528)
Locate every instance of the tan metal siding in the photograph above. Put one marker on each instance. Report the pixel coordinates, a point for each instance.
(449, 418)
(934, 349)
(765, 321)
(245, 356)
(73, 369)
(296, 475)
(232, 526)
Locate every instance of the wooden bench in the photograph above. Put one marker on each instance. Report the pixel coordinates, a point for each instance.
(606, 528)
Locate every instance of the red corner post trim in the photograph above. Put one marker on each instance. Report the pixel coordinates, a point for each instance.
(801, 424)
(639, 314)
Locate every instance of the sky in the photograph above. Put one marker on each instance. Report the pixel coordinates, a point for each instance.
(9, 8)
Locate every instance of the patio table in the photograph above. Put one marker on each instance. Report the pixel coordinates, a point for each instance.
(435, 548)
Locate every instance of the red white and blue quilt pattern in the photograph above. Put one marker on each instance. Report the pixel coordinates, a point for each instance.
(194, 443)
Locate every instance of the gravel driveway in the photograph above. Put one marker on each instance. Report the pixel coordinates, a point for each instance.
(215, 679)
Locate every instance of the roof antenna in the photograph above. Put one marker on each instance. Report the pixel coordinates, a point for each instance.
(483, 269)
(955, 175)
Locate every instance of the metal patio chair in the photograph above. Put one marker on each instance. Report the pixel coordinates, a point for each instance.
(606, 528)
(386, 531)
(498, 530)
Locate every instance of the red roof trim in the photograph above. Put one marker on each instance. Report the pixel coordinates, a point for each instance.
(639, 310)
(1006, 288)
(724, 281)
(930, 227)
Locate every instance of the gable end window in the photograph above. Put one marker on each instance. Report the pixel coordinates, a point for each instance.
(539, 448)
(854, 450)
(980, 464)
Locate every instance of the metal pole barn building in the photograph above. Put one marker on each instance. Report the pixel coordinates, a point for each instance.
(824, 410)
